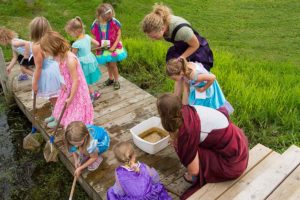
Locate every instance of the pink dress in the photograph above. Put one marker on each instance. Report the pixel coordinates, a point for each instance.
(81, 108)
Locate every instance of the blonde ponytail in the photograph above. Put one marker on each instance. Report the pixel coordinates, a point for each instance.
(75, 25)
(125, 154)
(157, 19)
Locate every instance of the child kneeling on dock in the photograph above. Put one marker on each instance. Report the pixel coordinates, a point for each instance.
(135, 180)
(87, 143)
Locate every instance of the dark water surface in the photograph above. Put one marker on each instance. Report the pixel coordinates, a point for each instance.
(24, 174)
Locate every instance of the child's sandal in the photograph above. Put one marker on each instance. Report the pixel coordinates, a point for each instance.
(117, 85)
(108, 82)
(96, 164)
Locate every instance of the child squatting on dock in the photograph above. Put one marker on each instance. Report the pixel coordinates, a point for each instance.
(22, 52)
(135, 180)
(86, 143)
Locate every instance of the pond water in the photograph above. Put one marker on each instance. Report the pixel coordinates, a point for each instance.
(25, 174)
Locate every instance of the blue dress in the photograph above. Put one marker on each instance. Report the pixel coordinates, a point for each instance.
(213, 97)
(99, 140)
(50, 80)
(87, 59)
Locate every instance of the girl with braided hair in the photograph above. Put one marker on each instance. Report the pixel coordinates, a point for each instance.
(135, 180)
(207, 143)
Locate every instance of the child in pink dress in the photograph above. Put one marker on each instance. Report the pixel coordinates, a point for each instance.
(75, 92)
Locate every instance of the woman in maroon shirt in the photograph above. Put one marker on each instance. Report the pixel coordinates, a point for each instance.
(207, 143)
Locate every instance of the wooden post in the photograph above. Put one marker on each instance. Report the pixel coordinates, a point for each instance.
(4, 79)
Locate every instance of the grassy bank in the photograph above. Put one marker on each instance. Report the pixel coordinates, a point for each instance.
(255, 45)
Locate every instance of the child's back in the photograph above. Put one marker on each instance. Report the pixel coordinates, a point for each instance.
(135, 180)
(149, 186)
(87, 59)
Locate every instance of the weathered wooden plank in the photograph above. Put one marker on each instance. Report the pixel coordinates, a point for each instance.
(4, 78)
(124, 102)
(110, 116)
(212, 191)
(289, 188)
(263, 179)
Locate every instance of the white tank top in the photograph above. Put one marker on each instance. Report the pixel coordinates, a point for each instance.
(210, 119)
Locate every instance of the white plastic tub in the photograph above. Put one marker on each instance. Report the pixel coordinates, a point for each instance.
(144, 145)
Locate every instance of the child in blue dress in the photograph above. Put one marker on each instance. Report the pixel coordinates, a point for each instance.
(47, 80)
(22, 52)
(86, 143)
(82, 48)
(204, 88)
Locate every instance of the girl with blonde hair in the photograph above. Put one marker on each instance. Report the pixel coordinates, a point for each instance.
(107, 31)
(132, 173)
(86, 143)
(204, 89)
(82, 48)
(22, 52)
(188, 43)
(47, 80)
(75, 92)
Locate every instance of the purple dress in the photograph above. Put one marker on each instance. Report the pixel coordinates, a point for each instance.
(143, 185)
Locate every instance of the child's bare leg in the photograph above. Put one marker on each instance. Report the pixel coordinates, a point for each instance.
(110, 72)
(91, 90)
(27, 71)
(115, 71)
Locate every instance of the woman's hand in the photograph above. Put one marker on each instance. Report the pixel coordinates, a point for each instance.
(77, 172)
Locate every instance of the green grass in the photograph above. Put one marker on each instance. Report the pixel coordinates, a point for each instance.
(256, 47)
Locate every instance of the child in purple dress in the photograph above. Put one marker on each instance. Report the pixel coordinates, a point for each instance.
(135, 180)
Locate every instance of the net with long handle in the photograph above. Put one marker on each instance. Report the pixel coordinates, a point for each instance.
(50, 152)
(30, 142)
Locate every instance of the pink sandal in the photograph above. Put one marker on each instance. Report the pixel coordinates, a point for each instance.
(96, 164)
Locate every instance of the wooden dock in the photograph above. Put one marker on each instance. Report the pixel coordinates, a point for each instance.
(117, 111)
(269, 175)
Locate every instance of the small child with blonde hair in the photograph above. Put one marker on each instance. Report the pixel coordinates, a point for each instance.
(204, 89)
(107, 31)
(82, 48)
(86, 143)
(47, 80)
(22, 52)
(75, 92)
(132, 174)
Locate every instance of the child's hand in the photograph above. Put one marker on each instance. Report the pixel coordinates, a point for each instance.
(111, 49)
(8, 70)
(34, 87)
(201, 89)
(78, 172)
(63, 87)
(68, 101)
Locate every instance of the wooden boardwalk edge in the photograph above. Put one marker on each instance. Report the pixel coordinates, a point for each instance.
(64, 159)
